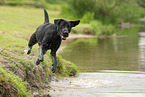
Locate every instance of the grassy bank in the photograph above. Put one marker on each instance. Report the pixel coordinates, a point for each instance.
(12, 85)
(17, 69)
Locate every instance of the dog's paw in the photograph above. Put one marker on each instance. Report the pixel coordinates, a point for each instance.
(28, 52)
(38, 61)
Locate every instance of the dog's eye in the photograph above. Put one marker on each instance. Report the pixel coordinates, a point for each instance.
(68, 26)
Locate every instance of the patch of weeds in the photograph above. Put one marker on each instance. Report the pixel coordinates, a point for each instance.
(66, 68)
(16, 83)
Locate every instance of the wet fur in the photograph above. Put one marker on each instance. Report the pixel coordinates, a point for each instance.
(49, 36)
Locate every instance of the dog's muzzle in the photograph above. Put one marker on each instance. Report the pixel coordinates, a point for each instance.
(65, 35)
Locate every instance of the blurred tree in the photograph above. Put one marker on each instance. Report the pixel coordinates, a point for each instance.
(80, 7)
(141, 3)
(108, 11)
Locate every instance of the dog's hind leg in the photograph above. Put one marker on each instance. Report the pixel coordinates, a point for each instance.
(32, 42)
(53, 56)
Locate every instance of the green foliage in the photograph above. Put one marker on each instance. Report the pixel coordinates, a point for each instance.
(66, 68)
(108, 30)
(101, 29)
(88, 17)
(110, 13)
(107, 11)
(47, 4)
(127, 11)
(56, 1)
(80, 7)
(43, 4)
(141, 3)
(97, 27)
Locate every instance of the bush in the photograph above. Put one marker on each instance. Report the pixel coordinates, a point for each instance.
(88, 17)
(108, 30)
(81, 7)
(101, 29)
(97, 26)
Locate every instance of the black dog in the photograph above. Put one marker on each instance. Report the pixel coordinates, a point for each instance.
(49, 36)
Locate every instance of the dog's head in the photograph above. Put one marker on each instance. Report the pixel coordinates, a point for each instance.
(64, 27)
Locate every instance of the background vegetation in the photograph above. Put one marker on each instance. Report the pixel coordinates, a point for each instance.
(105, 15)
(107, 11)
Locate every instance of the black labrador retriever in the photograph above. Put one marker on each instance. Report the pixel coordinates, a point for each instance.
(49, 36)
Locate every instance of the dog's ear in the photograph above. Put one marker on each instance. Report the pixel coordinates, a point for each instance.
(74, 23)
(57, 21)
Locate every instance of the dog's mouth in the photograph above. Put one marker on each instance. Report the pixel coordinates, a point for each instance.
(63, 38)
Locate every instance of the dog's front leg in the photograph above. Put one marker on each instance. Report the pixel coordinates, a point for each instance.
(53, 56)
(40, 58)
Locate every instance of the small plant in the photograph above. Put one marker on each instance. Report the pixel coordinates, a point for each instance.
(66, 68)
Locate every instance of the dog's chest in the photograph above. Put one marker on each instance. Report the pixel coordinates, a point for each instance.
(55, 43)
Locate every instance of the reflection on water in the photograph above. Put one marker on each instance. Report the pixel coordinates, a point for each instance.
(119, 53)
(141, 45)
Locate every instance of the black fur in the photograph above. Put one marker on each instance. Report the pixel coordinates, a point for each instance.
(49, 36)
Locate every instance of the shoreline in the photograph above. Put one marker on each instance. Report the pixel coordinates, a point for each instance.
(81, 36)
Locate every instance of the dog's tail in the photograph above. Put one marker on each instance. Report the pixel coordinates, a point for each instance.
(46, 16)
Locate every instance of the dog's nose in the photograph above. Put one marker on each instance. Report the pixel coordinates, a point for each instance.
(65, 32)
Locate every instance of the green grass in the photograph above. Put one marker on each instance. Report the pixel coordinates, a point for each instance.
(19, 85)
(23, 21)
(66, 68)
(18, 20)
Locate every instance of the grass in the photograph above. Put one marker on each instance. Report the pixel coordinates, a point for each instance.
(16, 26)
(17, 82)
(17, 20)
(66, 68)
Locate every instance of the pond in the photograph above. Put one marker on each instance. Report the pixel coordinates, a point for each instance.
(125, 52)
(112, 67)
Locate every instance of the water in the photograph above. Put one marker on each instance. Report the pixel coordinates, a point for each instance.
(101, 84)
(125, 52)
(113, 67)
